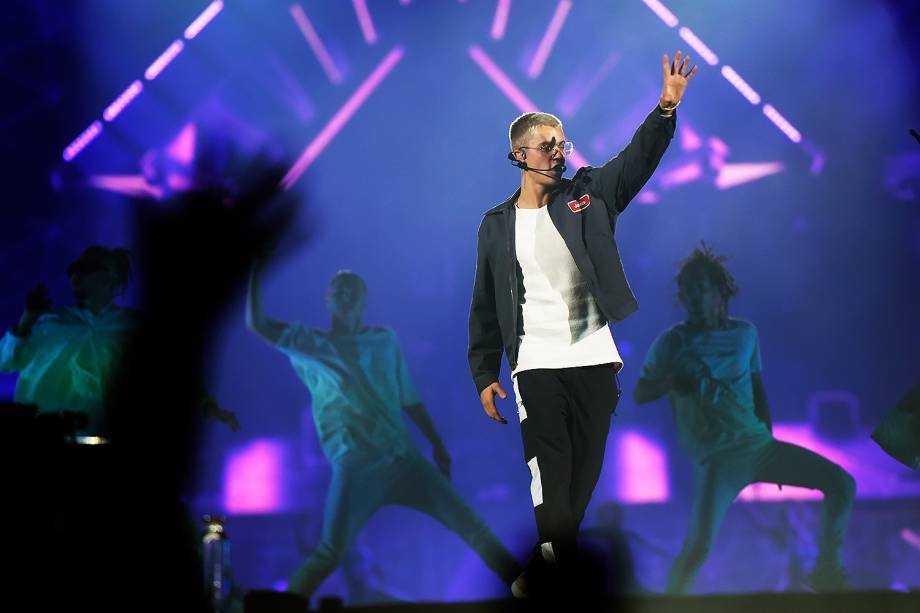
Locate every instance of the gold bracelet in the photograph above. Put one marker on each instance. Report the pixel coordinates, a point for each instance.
(669, 109)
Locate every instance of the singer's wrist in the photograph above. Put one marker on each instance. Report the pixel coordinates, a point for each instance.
(667, 106)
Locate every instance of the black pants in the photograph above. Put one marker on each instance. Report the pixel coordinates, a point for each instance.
(565, 417)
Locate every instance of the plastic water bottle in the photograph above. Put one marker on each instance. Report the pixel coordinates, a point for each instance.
(215, 552)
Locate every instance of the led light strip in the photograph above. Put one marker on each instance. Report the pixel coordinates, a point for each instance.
(115, 108)
(732, 76)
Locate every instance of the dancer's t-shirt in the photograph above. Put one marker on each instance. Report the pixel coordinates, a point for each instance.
(69, 359)
(359, 385)
(719, 413)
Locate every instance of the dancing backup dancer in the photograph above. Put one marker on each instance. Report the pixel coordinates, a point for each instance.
(67, 357)
(709, 368)
(548, 282)
(360, 387)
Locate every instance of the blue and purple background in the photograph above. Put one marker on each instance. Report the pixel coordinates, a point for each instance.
(792, 156)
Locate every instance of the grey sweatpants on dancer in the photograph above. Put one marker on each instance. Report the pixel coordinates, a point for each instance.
(720, 479)
(357, 492)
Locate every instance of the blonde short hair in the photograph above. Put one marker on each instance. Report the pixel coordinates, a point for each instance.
(527, 122)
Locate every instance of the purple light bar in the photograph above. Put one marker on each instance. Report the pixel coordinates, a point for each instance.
(341, 117)
(182, 148)
(316, 44)
(365, 21)
(699, 46)
(689, 139)
(501, 80)
(718, 146)
(253, 478)
(740, 84)
(662, 11)
(80, 143)
(911, 538)
(511, 91)
(579, 89)
(733, 175)
(782, 123)
(817, 157)
(130, 185)
(163, 61)
(679, 175)
(204, 19)
(118, 105)
(642, 475)
(500, 22)
(549, 38)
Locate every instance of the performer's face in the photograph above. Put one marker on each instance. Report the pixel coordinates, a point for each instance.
(701, 297)
(543, 150)
(346, 297)
(93, 287)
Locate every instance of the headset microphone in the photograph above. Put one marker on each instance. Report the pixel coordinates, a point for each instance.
(520, 164)
(545, 172)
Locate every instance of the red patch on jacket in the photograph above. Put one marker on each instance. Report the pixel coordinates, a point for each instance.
(579, 205)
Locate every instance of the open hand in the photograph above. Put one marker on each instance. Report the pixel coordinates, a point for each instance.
(676, 76)
(37, 303)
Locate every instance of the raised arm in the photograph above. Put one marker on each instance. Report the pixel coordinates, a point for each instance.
(269, 329)
(17, 347)
(620, 179)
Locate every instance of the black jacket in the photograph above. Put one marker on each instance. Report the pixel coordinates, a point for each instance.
(584, 211)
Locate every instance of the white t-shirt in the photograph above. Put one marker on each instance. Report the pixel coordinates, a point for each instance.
(69, 360)
(563, 326)
(359, 385)
(719, 414)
